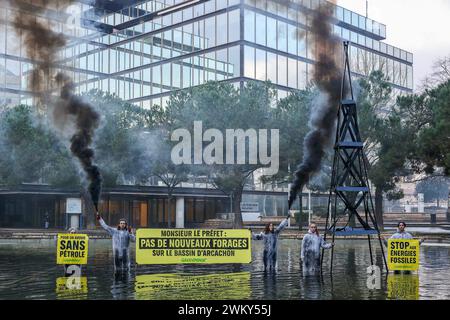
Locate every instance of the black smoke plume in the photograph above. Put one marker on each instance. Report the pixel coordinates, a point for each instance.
(86, 120)
(42, 45)
(327, 76)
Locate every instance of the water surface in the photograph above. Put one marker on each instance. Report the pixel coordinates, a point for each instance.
(28, 270)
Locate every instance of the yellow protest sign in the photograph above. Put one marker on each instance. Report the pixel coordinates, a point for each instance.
(71, 287)
(177, 246)
(403, 286)
(403, 254)
(220, 286)
(72, 249)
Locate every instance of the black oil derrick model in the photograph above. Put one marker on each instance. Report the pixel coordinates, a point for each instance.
(350, 195)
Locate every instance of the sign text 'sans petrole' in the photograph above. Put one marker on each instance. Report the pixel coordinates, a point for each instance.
(72, 249)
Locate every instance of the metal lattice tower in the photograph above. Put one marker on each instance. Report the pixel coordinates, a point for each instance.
(350, 195)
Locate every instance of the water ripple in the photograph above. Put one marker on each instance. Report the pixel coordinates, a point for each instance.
(30, 272)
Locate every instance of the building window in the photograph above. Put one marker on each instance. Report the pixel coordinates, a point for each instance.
(221, 35)
(282, 70)
(282, 36)
(271, 33)
(292, 73)
(272, 67)
(199, 210)
(249, 26)
(260, 62)
(261, 27)
(189, 210)
(249, 62)
(234, 29)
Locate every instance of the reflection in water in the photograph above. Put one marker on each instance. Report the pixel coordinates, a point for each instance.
(311, 286)
(120, 284)
(269, 281)
(29, 271)
(178, 286)
(73, 287)
(403, 286)
(351, 261)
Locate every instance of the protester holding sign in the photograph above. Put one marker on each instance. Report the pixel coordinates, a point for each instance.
(121, 237)
(311, 246)
(402, 234)
(270, 237)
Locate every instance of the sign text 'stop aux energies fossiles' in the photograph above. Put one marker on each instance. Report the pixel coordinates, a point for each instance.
(72, 249)
(403, 254)
(165, 246)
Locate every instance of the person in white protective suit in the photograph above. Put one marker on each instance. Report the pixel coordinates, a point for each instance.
(312, 245)
(270, 237)
(121, 237)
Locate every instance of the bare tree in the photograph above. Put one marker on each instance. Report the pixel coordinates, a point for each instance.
(440, 73)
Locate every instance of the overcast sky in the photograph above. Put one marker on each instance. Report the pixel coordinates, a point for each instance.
(418, 26)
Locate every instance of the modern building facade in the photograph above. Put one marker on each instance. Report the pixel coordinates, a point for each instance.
(28, 205)
(145, 50)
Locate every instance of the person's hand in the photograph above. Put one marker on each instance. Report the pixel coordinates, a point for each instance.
(98, 216)
(288, 215)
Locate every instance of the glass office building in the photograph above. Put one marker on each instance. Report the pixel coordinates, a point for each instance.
(145, 50)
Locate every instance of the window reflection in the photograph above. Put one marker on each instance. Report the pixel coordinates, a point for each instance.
(281, 33)
(272, 67)
(261, 29)
(260, 61)
(282, 70)
(249, 64)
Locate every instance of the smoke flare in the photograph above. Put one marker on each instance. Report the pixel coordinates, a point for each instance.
(42, 45)
(327, 76)
(86, 121)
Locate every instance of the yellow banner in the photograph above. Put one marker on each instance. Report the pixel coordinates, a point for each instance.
(403, 287)
(72, 248)
(234, 286)
(71, 287)
(177, 246)
(403, 254)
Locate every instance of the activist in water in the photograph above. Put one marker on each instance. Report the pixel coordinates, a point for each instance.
(121, 237)
(312, 244)
(270, 237)
(401, 233)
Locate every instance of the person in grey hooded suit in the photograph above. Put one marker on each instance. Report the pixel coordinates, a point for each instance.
(311, 250)
(121, 237)
(270, 237)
